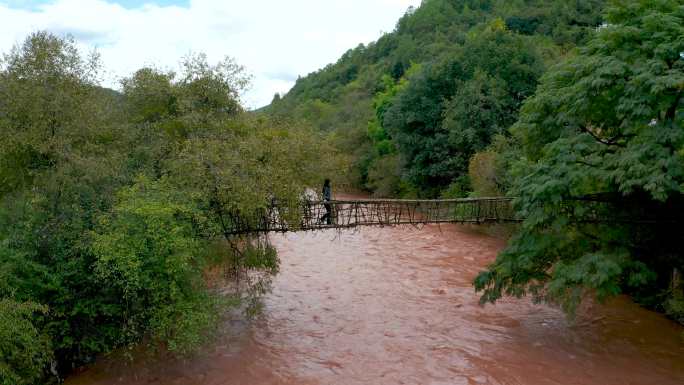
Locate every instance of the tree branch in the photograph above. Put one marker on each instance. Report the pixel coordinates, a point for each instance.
(609, 142)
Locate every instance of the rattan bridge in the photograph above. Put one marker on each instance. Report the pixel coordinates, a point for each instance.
(308, 215)
(372, 212)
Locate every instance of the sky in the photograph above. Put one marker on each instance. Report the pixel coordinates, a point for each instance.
(276, 40)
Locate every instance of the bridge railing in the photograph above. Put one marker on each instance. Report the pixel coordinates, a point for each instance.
(313, 215)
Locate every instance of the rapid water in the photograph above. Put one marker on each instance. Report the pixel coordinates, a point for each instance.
(396, 306)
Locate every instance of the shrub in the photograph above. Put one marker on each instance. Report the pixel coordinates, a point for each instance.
(24, 350)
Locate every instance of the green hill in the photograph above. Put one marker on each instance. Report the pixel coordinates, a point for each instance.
(413, 107)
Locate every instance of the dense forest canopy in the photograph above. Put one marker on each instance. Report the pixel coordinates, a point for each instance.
(414, 106)
(113, 205)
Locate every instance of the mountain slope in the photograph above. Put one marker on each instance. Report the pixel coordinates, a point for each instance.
(413, 107)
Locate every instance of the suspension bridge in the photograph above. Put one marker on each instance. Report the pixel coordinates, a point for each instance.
(308, 215)
(343, 214)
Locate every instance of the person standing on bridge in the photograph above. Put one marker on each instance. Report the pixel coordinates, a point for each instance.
(327, 197)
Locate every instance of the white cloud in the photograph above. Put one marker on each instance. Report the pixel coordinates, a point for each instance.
(276, 40)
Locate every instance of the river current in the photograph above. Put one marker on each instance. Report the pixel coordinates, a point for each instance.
(396, 306)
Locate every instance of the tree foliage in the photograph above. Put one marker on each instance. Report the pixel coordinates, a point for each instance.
(112, 204)
(24, 350)
(454, 107)
(607, 122)
(478, 61)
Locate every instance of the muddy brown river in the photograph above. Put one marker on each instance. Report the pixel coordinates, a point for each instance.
(396, 306)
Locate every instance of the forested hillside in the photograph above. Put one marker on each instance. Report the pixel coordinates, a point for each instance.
(414, 106)
(560, 104)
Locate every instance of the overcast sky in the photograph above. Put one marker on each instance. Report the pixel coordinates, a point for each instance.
(276, 40)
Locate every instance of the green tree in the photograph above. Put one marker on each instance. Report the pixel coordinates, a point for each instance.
(134, 190)
(149, 252)
(452, 108)
(150, 96)
(45, 106)
(24, 350)
(57, 133)
(607, 123)
(481, 108)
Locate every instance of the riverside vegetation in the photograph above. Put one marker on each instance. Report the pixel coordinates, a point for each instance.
(111, 204)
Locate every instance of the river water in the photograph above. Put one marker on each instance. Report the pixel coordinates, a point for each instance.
(396, 306)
